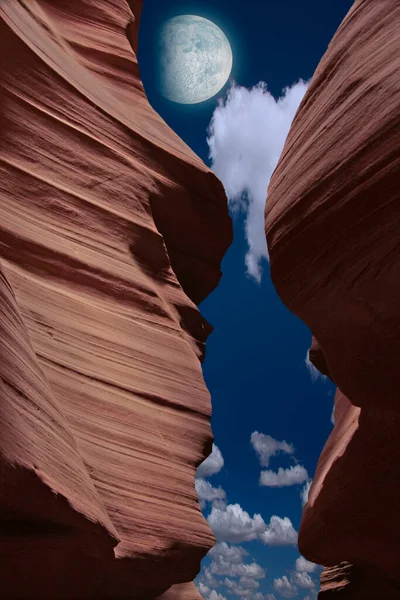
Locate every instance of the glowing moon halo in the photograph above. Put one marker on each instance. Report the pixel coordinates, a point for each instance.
(195, 59)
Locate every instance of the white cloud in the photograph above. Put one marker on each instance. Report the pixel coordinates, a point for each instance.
(235, 525)
(212, 464)
(315, 374)
(246, 137)
(266, 447)
(280, 532)
(207, 593)
(302, 580)
(284, 587)
(333, 415)
(203, 589)
(253, 570)
(305, 566)
(207, 578)
(229, 560)
(304, 492)
(207, 493)
(232, 554)
(284, 477)
(248, 583)
(215, 596)
(244, 587)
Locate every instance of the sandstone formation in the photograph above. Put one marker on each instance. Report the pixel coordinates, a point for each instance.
(111, 231)
(333, 230)
(182, 591)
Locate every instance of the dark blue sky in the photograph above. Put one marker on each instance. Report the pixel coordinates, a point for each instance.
(254, 367)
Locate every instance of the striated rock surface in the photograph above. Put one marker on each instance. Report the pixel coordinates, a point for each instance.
(333, 230)
(347, 581)
(111, 231)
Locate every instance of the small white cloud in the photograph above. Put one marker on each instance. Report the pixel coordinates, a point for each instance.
(280, 532)
(333, 415)
(246, 137)
(302, 580)
(284, 587)
(207, 493)
(212, 464)
(305, 566)
(266, 447)
(315, 374)
(304, 492)
(284, 477)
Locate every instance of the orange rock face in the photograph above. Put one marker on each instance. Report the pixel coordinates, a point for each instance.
(183, 591)
(333, 229)
(111, 231)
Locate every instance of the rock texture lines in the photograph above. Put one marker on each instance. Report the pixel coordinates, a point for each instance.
(333, 230)
(111, 231)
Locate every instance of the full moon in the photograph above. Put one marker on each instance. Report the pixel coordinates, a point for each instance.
(195, 59)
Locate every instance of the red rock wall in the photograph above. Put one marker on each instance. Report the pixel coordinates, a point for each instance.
(333, 230)
(111, 229)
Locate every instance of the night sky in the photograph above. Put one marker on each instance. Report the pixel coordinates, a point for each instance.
(255, 365)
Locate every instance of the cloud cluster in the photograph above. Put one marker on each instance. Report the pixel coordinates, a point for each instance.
(209, 594)
(230, 566)
(284, 587)
(299, 579)
(238, 577)
(212, 464)
(235, 525)
(246, 136)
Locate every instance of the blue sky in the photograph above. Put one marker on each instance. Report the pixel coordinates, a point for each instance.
(255, 364)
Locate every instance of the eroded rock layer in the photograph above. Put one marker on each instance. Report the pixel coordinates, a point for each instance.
(346, 582)
(333, 230)
(111, 230)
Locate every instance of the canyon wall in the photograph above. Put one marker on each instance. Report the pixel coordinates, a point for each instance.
(111, 232)
(333, 230)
